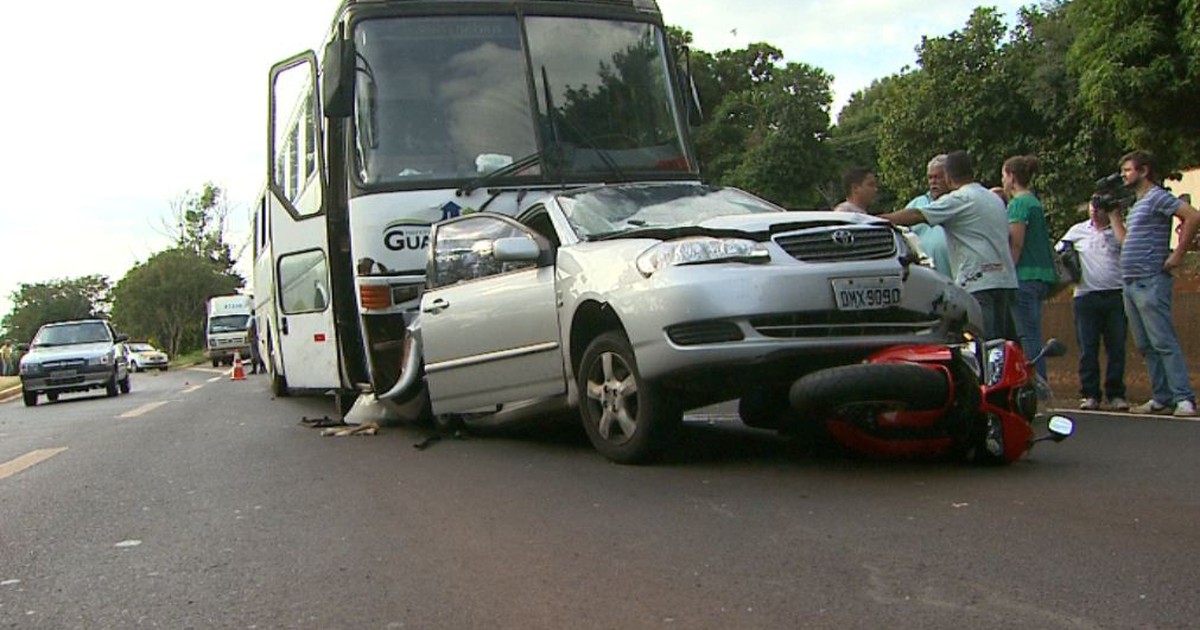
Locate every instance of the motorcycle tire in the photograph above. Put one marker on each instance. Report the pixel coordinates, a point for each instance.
(904, 385)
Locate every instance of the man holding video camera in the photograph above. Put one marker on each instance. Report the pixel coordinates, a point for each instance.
(1146, 265)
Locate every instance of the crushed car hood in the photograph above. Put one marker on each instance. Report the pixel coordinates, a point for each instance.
(759, 226)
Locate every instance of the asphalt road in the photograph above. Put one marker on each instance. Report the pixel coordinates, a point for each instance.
(192, 503)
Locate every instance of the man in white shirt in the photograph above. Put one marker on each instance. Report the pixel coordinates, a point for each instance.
(1099, 308)
(976, 225)
(861, 190)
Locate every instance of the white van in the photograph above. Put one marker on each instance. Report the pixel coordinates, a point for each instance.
(226, 328)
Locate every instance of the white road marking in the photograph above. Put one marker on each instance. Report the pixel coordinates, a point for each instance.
(214, 379)
(210, 370)
(192, 389)
(31, 458)
(144, 409)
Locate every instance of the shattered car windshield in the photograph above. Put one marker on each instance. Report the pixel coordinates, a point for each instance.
(614, 210)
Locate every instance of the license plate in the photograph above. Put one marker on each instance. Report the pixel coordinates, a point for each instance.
(62, 374)
(864, 294)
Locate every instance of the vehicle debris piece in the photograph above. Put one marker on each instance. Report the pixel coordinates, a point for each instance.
(362, 429)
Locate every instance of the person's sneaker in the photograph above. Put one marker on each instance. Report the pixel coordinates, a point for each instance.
(1089, 404)
(1151, 406)
(1185, 409)
(1118, 404)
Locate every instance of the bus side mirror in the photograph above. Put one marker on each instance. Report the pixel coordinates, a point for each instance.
(337, 82)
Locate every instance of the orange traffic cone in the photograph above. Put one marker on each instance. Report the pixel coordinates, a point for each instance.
(239, 372)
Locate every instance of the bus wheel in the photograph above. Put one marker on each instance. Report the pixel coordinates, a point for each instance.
(279, 386)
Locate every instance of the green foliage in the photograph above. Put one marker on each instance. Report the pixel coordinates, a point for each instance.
(199, 225)
(1138, 65)
(163, 299)
(55, 301)
(995, 94)
(766, 123)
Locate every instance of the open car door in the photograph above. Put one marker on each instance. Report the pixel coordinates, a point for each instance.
(489, 316)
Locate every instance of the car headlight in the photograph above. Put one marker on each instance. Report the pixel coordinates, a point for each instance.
(30, 368)
(700, 250)
(103, 359)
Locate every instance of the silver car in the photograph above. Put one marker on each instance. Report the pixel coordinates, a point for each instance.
(632, 303)
(74, 356)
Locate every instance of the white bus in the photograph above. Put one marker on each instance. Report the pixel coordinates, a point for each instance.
(422, 110)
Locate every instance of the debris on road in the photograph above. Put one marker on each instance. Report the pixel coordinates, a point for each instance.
(369, 428)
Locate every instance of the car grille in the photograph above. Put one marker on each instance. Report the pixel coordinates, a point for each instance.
(697, 333)
(64, 364)
(820, 324)
(837, 243)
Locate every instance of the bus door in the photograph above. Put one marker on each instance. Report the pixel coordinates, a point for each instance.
(303, 324)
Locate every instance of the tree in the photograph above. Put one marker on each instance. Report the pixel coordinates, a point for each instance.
(1138, 65)
(40, 303)
(994, 93)
(765, 125)
(163, 299)
(199, 224)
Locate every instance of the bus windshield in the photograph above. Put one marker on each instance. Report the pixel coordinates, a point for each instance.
(448, 98)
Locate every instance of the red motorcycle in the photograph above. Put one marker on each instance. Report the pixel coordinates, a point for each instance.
(976, 402)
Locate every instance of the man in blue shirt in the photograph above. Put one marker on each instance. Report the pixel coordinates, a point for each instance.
(1146, 265)
(933, 237)
(976, 227)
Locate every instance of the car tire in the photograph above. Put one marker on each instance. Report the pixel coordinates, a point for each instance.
(111, 388)
(216, 363)
(30, 398)
(134, 366)
(52, 396)
(627, 419)
(821, 393)
(123, 384)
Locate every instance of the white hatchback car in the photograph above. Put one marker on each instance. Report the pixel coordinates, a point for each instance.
(632, 303)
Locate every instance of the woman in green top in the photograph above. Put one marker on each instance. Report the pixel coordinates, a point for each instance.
(1029, 240)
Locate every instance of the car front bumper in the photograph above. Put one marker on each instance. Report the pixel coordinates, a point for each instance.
(80, 380)
(735, 325)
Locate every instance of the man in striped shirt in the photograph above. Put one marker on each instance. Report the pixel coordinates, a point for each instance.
(1146, 265)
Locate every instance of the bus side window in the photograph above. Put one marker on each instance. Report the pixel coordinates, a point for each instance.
(302, 278)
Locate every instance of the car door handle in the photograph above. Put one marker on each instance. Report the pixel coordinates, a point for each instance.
(283, 327)
(436, 306)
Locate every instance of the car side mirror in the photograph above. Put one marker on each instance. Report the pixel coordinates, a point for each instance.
(516, 249)
(122, 338)
(23, 347)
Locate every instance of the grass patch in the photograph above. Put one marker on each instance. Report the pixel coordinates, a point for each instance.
(191, 358)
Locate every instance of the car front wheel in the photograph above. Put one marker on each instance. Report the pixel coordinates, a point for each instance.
(111, 388)
(626, 419)
(30, 398)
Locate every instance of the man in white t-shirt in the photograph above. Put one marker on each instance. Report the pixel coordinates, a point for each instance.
(861, 190)
(976, 225)
(1099, 309)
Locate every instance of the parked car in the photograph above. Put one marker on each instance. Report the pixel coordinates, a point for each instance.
(74, 356)
(631, 303)
(143, 356)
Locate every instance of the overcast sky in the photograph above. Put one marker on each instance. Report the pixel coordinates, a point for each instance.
(112, 110)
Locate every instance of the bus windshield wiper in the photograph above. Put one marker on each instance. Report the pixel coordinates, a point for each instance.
(504, 171)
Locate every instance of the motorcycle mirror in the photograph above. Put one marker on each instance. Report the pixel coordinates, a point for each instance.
(1061, 428)
(1055, 348)
(1052, 348)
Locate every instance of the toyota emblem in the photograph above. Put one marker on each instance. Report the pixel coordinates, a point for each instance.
(845, 238)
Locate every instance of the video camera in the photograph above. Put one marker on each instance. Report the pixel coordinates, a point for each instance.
(1109, 194)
